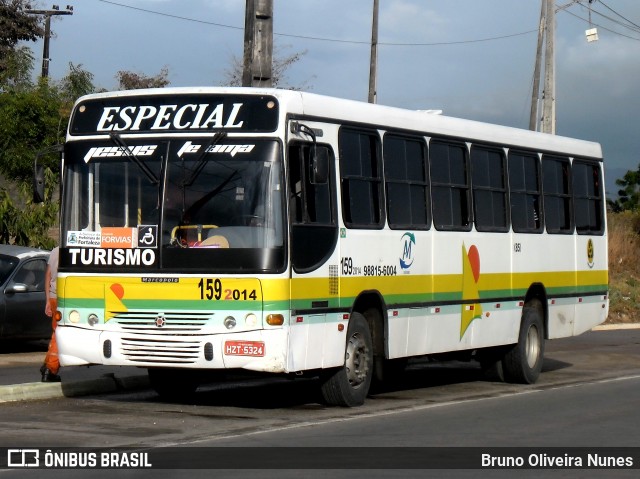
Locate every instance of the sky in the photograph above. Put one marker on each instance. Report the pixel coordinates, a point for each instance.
(472, 59)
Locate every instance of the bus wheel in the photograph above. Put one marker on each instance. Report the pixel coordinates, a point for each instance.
(174, 384)
(523, 363)
(349, 385)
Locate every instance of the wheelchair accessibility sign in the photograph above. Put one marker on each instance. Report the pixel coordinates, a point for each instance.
(147, 236)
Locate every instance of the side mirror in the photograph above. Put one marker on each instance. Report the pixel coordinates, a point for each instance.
(319, 165)
(38, 171)
(16, 288)
(38, 183)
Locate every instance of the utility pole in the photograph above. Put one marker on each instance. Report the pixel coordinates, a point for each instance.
(373, 68)
(549, 96)
(547, 31)
(533, 117)
(55, 10)
(258, 44)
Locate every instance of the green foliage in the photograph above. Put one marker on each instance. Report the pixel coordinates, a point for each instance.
(33, 118)
(15, 26)
(77, 83)
(29, 225)
(629, 194)
(128, 80)
(29, 121)
(16, 73)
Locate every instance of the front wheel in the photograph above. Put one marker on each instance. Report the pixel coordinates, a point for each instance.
(349, 385)
(523, 363)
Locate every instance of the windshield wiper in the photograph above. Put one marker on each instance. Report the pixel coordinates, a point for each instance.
(117, 140)
(201, 161)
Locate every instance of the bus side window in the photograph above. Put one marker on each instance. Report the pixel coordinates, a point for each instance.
(587, 198)
(450, 188)
(488, 180)
(361, 178)
(557, 195)
(524, 188)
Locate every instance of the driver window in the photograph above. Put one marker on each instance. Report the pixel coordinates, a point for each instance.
(31, 274)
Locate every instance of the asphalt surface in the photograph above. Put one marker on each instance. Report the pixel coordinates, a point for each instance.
(20, 374)
(20, 378)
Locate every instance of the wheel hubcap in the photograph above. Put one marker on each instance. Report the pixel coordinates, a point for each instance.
(532, 346)
(357, 360)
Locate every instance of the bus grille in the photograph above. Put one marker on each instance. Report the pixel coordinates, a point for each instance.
(161, 323)
(174, 351)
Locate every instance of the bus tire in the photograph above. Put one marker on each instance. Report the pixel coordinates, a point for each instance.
(349, 385)
(523, 363)
(174, 384)
(491, 363)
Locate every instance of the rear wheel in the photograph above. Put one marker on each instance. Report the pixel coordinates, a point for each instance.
(523, 362)
(174, 384)
(349, 385)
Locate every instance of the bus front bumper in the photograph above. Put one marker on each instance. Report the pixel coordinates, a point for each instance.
(259, 350)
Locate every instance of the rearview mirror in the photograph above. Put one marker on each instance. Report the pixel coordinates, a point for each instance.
(319, 165)
(38, 183)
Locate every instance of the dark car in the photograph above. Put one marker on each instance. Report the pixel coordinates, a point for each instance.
(22, 296)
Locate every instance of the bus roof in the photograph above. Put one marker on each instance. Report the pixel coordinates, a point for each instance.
(321, 107)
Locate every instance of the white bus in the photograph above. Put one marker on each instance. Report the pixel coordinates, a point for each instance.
(287, 232)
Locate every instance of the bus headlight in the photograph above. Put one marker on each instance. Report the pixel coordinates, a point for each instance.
(74, 316)
(93, 319)
(251, 320)
(229, 322)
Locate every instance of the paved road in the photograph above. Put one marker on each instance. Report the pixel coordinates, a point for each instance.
(20, 363)
(587, 395)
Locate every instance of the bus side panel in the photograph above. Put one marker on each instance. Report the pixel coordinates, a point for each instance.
(492, 320)
(315, 342)
(592, 261)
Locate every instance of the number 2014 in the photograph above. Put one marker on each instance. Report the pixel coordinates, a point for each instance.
(212, 289)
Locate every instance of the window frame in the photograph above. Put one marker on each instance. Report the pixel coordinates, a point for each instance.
(526, 192)
(407, 181)
(564, 196)
(598, 198)
(375, 182)
(449, 188)
(504, 190)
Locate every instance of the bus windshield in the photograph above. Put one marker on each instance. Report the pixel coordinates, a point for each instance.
(191, 199)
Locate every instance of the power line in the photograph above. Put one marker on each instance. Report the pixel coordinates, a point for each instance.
(178, 17)
(323, 39)
(600, 26)
(624, 18)
(617, 22)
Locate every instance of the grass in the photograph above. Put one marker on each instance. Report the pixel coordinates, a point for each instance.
(624, 267)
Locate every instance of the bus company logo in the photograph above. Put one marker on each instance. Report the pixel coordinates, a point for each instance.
(160, 321)
(408, 242)
(590, 253)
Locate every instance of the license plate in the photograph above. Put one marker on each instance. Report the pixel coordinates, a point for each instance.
(244, 348)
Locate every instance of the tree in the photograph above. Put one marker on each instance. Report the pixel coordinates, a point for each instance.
(33, 118)
(16, 25)
(128, 80)
(281, 65)
(629, 194)
(18, 65)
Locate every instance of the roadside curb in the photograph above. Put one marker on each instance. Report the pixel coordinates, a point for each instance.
(108, 383)
(613, 327)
